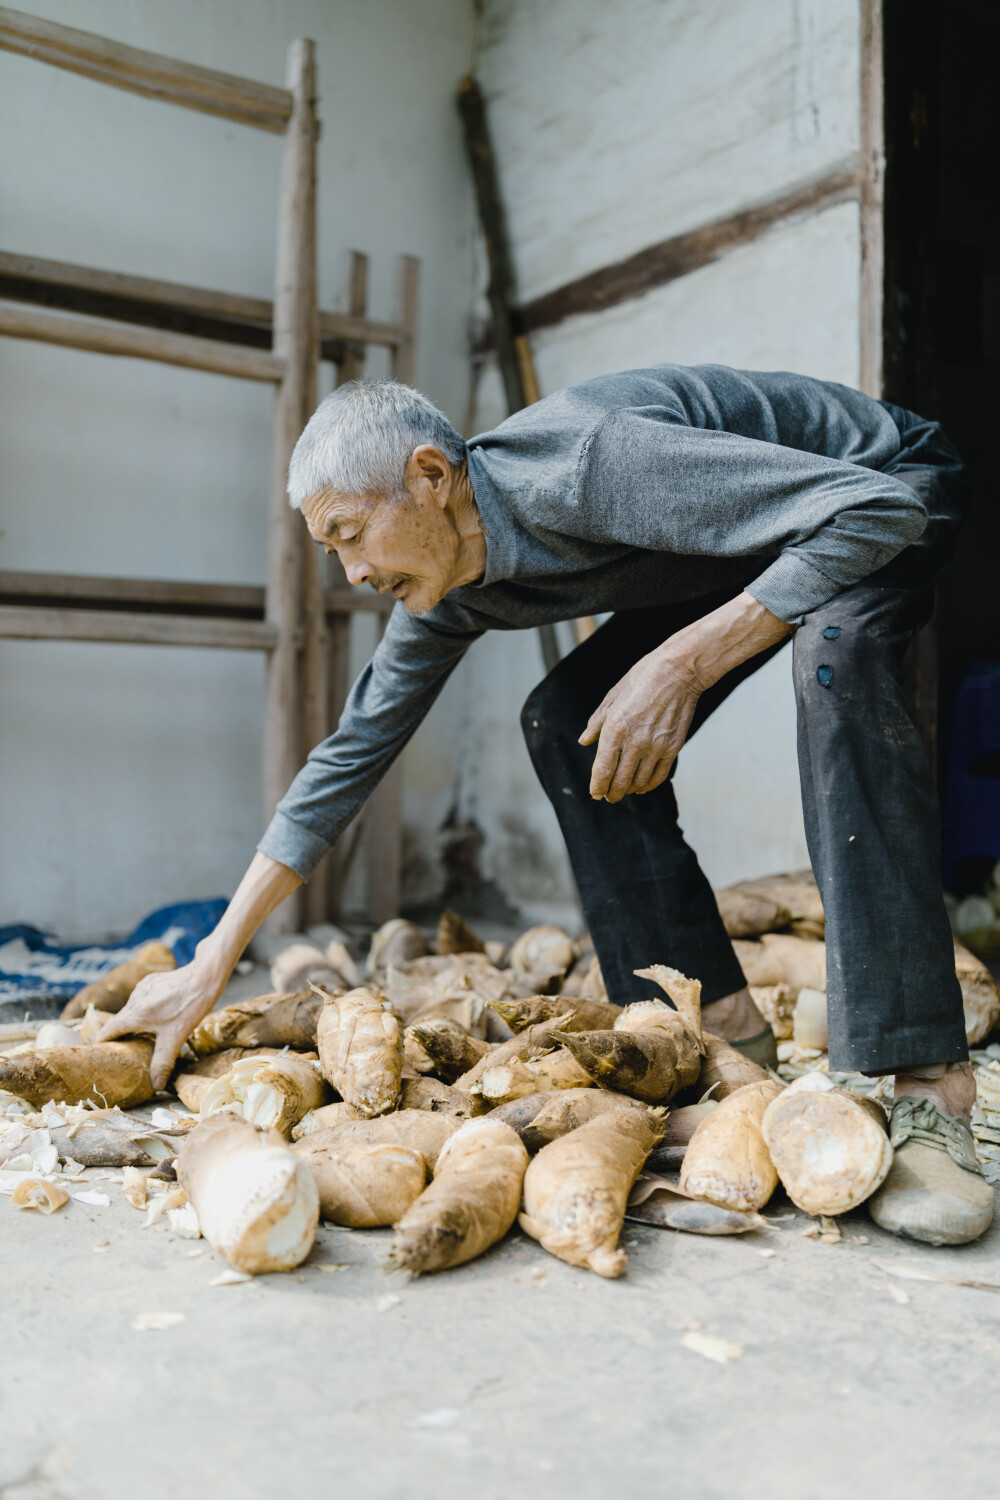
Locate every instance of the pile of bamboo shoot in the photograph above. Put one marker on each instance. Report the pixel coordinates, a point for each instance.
(445, 1090)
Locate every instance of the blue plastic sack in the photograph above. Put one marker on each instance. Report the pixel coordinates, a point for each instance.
(34, 966)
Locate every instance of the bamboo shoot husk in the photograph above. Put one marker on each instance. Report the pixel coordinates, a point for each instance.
(540, 949)
(418, 1130)
(271, 1092)
(653, 1050)
(830, 1146)
(576, 1188)
(456, 936)
(280, 1020)
(578, 1014)
(727, 1161)
(782, 958)
(471, 1203)
(45, 1197)
(541, 1118)
(725, 1069)
(439, 1098)
(593, 986)
(776, 1003)
(362, 1184)
(656, 1201)
(680, 1126)
(500, 1083)
(361, 1050)
(442, 1047)
(754, 907)
(257, 1203)
(111, 992)
(107, 1073)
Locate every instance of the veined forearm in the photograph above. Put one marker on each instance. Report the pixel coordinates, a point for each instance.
(263, 888)
(726, 638)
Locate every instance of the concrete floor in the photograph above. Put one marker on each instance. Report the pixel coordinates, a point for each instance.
(516, 1375)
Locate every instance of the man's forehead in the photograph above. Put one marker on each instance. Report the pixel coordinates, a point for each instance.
(330, 506)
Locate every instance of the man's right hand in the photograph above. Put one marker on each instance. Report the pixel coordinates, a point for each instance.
(166, 1007)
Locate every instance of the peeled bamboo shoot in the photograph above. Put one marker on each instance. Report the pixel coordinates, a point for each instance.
(502, 1082)
(270, 1092)
(256, 1202)
(830, 1146)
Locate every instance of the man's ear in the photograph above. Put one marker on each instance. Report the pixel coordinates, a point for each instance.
(429, 464)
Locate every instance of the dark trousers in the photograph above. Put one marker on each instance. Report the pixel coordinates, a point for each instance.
(868, 797)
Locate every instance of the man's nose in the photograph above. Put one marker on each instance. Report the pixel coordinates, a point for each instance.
(358, 571)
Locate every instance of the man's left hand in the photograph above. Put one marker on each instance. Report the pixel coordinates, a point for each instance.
(641, 725)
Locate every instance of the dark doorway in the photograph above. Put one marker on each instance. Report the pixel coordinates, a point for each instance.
(942, 294)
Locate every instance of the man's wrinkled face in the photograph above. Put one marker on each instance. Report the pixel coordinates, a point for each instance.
(406, 546)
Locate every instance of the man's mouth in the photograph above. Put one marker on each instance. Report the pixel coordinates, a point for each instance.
(398, 589)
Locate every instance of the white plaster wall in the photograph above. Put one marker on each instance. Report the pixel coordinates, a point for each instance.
(131, 776)
(616, 126)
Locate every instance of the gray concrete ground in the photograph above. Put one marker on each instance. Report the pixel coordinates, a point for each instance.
(516, 1375)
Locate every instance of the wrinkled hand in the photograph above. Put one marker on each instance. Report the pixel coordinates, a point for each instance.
(641, 726)
(166, 1007)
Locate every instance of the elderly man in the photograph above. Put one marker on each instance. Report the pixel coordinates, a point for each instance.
(714, 513)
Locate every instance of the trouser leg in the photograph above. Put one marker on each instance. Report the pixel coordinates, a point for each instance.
(644, 895)
(872, 823)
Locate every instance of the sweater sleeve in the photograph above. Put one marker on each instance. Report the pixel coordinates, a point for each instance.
(385, 706)
(647, 480)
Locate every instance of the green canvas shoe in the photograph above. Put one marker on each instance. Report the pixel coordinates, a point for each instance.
(935, 1191)
(762, 1048)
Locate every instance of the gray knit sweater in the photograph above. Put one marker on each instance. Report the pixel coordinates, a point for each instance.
(630, 490)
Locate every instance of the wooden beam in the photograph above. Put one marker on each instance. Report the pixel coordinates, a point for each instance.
(147, 73)
(684, 253)
(871, 177)
(35, 623)
(140, 343)
(228, 600)
(166, 304)
(295, 343)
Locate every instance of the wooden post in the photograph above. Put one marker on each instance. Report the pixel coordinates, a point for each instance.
(871, 180)
(296, 336)
(404, 359)
(352, 365)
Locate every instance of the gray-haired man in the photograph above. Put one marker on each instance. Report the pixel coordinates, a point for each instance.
(714, 513)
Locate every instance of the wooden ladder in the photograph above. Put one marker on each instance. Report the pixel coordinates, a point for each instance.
(298, 619)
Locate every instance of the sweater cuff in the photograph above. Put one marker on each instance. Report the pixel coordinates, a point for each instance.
(292, 845)
(792, 588)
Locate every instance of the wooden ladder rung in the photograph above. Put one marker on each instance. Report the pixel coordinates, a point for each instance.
(184, 349)
(132, 628)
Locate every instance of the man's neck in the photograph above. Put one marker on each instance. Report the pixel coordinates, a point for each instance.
(471, 561)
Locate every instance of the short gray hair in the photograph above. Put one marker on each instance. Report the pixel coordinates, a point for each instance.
(358, 441)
